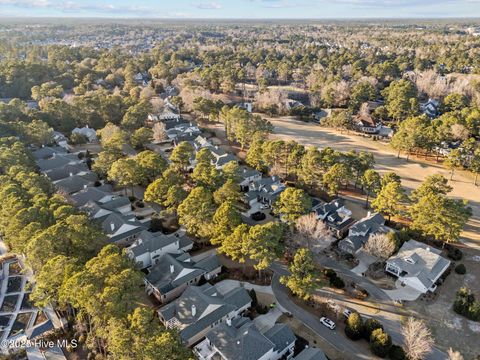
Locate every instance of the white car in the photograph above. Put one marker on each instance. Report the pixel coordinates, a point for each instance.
(347, 313)
(327, 322)
(264, 207)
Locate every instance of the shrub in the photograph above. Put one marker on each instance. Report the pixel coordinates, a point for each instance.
(369, 326)
(461, 269)
(156, 224)
(380, 343)
(337, 282)
(396, 353)
(455, 253)
(466, 305)
(329, 273)
(354, 328)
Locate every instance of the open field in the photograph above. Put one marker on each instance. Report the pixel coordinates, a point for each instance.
(412, 172)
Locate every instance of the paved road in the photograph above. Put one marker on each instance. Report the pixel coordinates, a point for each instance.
(383, 310)
(374, 291)
(348, 348)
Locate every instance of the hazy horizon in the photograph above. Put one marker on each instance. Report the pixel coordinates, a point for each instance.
(242, 9)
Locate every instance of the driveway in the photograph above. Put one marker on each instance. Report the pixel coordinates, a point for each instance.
(266, 321)
(403, 292)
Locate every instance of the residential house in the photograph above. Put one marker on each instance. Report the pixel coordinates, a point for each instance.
(75, 183)
(265, 190)
(46, 152)
(89, 133)
(101, 194)
(418, 265)
(335, 215)
(221, 157)
(68, 170)
(311, 353)
(168, 117)
(431, 108)
(115, 204)
(240, 339)
(120, 229)
(149, 247)
(60, 139)
(360, 231)
(183, 132)
(201, 308)
(58, 161)
(172, 273)
(248, 175)
(367, 124)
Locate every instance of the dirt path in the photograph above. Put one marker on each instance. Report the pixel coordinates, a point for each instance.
(412, 172)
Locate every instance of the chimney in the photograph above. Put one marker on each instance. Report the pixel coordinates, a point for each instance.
(244, 170)
(172, 269)
(112, 226)
(71, 174)
(194, 310)
(369, 214)
(85, 186)
(229, 322)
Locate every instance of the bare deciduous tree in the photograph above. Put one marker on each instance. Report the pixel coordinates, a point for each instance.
(311, 233)
(459, 132)
(380, 246)
(454, 355)
(157, 104)
(418, 340)
(159, 132)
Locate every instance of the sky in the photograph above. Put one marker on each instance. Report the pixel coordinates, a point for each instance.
(241, 9)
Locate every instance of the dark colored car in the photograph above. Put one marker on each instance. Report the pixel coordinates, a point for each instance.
(258, 216)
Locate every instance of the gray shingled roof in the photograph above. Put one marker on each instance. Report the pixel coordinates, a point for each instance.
(281, 336)
(53, 163)
(419, 260)
(73, 184)
(311, 354)
(240, 343)
(118, 226)
(150, 242)
(170, 272)
(326, 209)
(210, 307)
(47, 152)
(369, 224)
(91, 194)
(66, 171)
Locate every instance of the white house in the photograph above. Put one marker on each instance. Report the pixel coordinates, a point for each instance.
(418, 265)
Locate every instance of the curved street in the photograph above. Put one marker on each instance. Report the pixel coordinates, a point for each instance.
(382, 309)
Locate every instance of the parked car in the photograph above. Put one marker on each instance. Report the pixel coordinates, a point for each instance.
(328, 323)
(258, 216)
(264, 206)
(347, 313)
